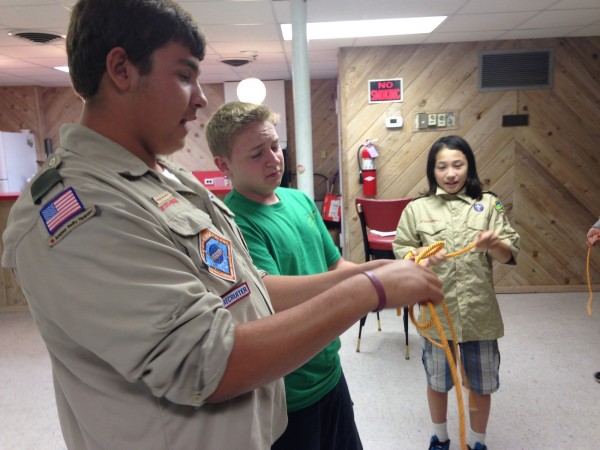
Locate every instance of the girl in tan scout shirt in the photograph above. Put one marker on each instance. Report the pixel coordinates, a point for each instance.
(457, 212)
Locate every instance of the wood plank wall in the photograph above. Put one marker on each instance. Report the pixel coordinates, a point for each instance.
(545, 173)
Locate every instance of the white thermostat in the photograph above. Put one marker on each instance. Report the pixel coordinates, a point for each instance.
(394, 122)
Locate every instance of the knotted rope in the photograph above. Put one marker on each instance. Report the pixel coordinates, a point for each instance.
(434, 320)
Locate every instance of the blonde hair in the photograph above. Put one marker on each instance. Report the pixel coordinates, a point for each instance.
(229, 120)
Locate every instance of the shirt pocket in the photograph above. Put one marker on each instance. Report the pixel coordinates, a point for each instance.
(431, 231)
(477, 223)
(186, 225)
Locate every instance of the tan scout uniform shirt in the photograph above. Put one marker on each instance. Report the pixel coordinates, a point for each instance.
(468, 278)
(128, 294)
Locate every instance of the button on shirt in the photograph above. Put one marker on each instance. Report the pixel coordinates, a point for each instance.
(468, 285)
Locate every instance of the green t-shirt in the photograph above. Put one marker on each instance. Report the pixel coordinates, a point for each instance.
(290, 238)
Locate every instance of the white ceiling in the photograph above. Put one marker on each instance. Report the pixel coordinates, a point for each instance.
(234, 26)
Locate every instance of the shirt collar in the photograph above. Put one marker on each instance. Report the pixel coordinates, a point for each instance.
(439, 192)
(90, 144)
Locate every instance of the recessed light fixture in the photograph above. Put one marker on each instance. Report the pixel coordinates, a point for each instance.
(62, 68)
(366, 28)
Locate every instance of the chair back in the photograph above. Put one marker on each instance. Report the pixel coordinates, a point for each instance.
(379, 215)
(382, 215)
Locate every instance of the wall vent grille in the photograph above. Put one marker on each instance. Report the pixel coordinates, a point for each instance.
(503, 70)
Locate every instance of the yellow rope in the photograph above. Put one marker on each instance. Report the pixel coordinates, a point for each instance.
(589, 282)
(434, 320)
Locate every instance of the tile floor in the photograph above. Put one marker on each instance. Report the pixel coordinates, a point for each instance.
(548, 397)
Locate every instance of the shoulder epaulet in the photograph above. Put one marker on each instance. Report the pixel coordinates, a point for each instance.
(491, 193)
(46, 180)
(420, 197)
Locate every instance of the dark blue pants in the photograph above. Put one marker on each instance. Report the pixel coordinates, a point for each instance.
(325, 425)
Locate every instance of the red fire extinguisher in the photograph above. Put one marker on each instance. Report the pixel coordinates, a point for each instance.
(367, 172)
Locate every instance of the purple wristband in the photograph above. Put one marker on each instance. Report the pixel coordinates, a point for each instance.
(381, 298)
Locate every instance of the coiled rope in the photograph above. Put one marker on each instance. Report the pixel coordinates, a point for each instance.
(434, 320)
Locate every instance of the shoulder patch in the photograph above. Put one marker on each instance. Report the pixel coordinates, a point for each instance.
(60, 209)
(499, 206)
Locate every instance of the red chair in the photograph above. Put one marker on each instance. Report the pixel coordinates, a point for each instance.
(378, 221)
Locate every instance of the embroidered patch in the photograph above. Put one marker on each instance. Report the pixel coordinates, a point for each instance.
(235, 295)
(60, 209)
(164, 200)
(73, 223)
(216, 253)
(499, 206)
(478, 207)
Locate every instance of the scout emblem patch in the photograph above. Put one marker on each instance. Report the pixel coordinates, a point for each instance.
(499, 206)
(60, 209)
(478, 207)
(216, 254)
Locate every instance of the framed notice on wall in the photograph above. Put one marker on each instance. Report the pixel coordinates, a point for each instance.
(386, 91)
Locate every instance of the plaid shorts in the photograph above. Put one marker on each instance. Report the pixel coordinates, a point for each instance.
(481, 360)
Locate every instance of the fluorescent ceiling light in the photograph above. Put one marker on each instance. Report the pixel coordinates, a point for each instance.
(62, 68)
(366, 28)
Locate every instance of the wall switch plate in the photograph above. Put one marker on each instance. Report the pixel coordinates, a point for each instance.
(432, 120)
(421, 121)
(441, 120)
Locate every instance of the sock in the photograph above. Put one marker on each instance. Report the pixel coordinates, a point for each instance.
(474, 438)
(441, 431)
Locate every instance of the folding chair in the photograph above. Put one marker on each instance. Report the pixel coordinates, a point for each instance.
(378, 221)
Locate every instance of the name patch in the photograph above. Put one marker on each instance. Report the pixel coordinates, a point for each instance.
(164, 200)
(236, 294)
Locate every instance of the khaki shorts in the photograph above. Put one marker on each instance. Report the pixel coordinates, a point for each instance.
(481, 360)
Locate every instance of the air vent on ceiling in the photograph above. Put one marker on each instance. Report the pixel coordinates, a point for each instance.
(37, 37)
(503, 70)
(236, 62)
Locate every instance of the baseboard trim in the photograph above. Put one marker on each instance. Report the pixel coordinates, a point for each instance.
(544, 289)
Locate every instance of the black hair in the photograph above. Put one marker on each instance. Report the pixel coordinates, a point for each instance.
(473, 186)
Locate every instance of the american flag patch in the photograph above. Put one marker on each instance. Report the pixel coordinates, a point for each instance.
(60, 209)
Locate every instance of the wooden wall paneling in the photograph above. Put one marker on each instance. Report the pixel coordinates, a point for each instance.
(325, 135)
(196, 155)
(545, 173)
(324, 121)
(18, 109)
(59, 106)
(11, 296)
(541, 212)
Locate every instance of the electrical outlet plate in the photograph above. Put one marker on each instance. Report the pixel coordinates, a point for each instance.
(436, 121)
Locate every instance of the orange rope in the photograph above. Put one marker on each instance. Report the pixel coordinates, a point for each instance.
(589, 282)
(434, 320)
